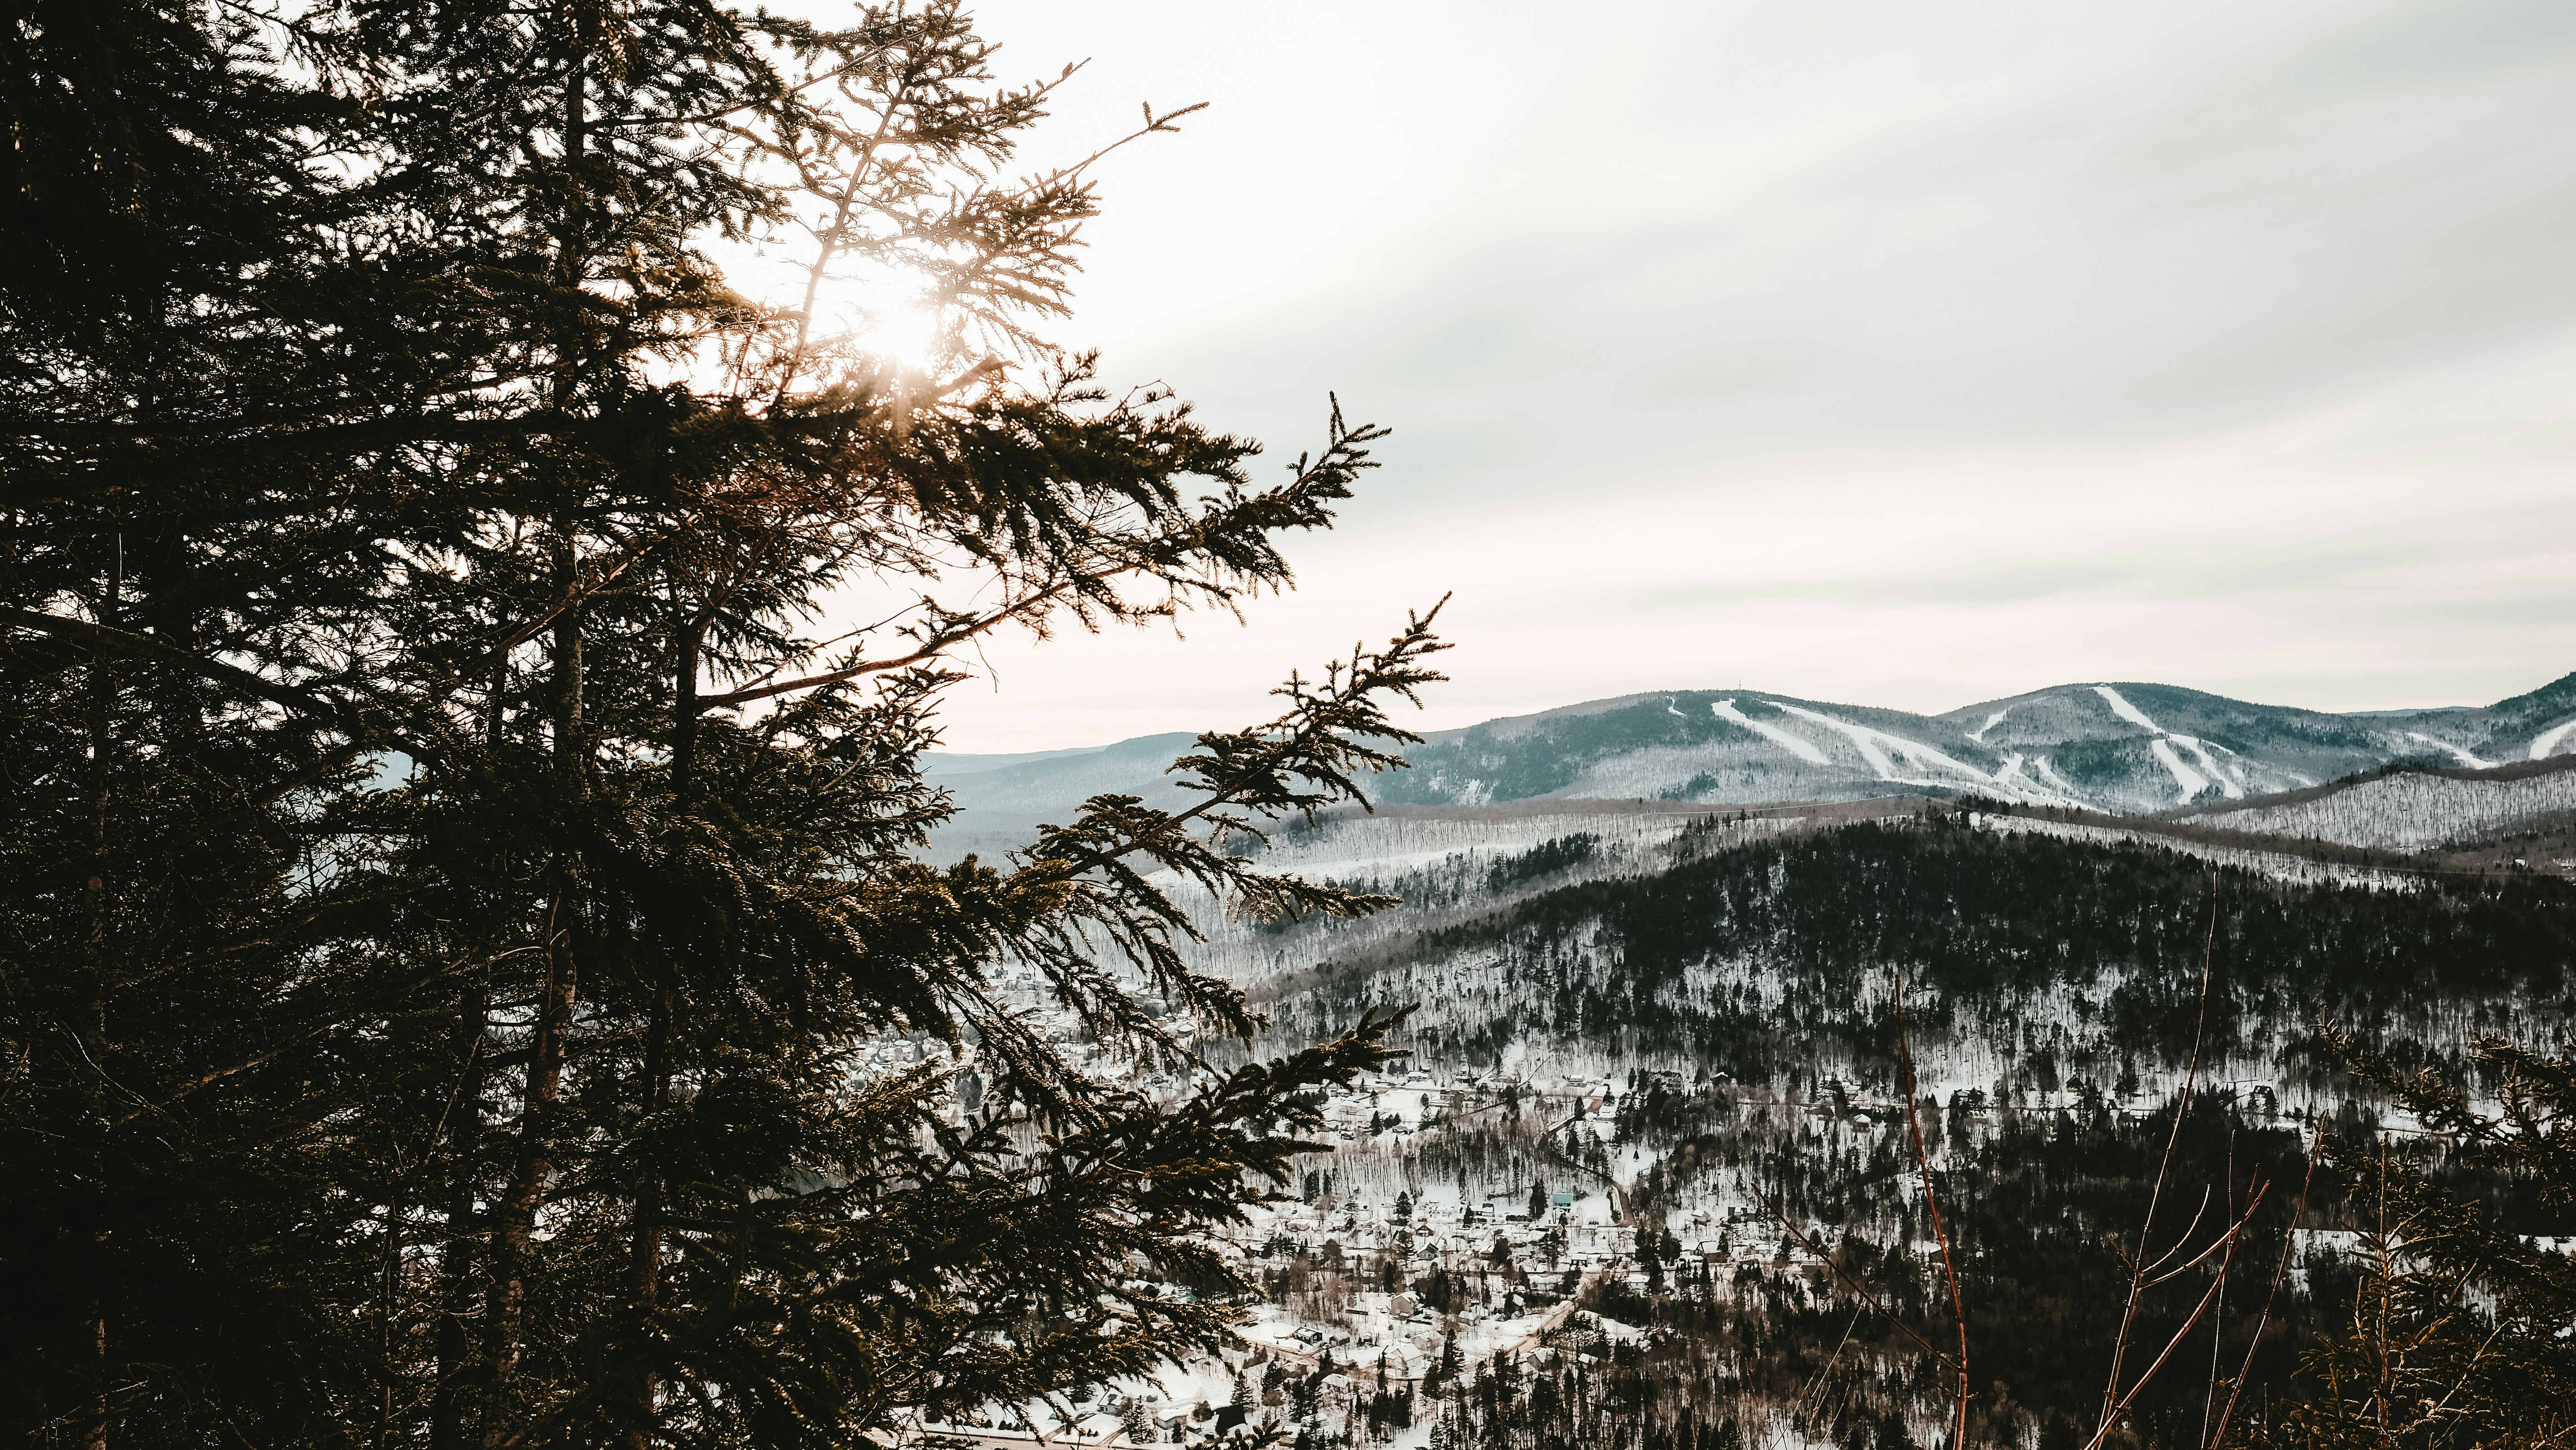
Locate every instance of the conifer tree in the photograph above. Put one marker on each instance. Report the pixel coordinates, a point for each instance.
(450, 898)
(2455, 1332)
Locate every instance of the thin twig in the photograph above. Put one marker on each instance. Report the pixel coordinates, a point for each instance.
(2215, 1244)
(1863, 1291)
(2289, 1245)
(2112, 1413)
(2141, 1268)
(1815, 1386)
(2218, 1333)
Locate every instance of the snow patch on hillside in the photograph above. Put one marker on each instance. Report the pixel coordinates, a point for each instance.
(1373, 846)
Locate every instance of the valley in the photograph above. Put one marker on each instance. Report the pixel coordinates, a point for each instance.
(1656, 1139)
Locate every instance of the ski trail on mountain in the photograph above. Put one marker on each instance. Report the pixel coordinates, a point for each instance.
(2008, 777)
(1803, 749)
(2226, 786)
(1877, 747)
(2048, 772)
(2466, 758)
(2546, 743)
(1888, 755)
(1879, 763)
(1979, 734)
(2191, 781)
(2121, 707)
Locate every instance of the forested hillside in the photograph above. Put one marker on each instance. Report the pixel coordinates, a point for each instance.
(1708, 1039)
(2415, 809)
(1729, 959)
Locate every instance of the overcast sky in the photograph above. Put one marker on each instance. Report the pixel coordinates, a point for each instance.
(1891, 353)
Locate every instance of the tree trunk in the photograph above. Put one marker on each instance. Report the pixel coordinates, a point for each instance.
(644, 1275)
(170, 609)
(458, 1368)
(385, 1328)
(684, 711)
(94, 1431)
(514, 1225)
(572, 752)
(102, 707)
(515, 1217)
(91, 1020)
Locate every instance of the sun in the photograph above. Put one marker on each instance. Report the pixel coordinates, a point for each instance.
(869, 313)
(908, 335)
(890, 314)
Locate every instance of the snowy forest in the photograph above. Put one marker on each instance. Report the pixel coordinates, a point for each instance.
(481, 966)
(1710, 1043)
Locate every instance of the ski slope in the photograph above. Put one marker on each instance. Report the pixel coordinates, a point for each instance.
(2546, 744)
(2193, 781)
(1803, 749)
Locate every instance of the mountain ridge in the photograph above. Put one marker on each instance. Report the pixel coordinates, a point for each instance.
(2128, 747)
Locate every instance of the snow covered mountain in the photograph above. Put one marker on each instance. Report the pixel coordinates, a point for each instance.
(2120, 747)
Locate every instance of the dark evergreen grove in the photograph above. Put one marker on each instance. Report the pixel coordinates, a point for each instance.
(1982, 925)
(442, 884)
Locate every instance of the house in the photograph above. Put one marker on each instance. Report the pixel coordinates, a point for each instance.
(1092, 1432)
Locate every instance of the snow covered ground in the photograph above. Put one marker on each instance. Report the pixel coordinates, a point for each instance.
(2278, 865)
(2408, 811)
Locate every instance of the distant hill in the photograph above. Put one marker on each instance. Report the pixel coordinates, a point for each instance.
(2411, 809)
(2126, 747)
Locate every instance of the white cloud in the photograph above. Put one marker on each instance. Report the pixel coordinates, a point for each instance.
(1874, 352)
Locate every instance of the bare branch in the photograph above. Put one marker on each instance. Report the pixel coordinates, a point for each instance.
(2140, 1266)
